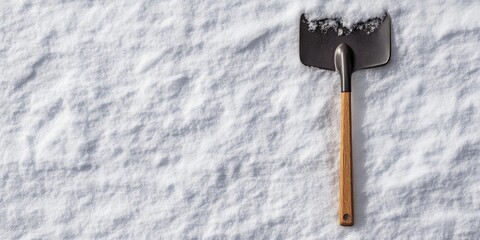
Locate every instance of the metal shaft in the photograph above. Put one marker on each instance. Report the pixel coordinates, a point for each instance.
(343, 64)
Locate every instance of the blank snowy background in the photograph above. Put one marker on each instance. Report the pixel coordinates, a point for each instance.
(196, 119)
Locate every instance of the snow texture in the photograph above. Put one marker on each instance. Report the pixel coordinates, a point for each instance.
(195, 119)
(325, 24)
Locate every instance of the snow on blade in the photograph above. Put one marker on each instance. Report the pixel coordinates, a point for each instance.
(336, 25)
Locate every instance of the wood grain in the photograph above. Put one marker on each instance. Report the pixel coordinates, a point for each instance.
(346, 184)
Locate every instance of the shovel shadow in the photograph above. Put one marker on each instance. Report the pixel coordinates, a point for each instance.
(360, 174)
(359, 137)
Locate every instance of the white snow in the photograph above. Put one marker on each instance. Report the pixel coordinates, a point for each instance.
(335, 24)
(195, 119)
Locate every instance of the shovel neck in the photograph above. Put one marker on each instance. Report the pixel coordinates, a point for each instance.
(344, 65)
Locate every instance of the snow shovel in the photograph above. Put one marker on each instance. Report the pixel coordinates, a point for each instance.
(326, 44)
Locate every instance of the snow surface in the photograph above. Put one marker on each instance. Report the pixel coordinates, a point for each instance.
(323, 25)
(182, 119)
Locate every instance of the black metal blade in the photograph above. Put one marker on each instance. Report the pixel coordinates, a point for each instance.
(317, 47)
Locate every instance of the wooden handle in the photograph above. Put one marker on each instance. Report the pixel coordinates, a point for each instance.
(346, 184)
